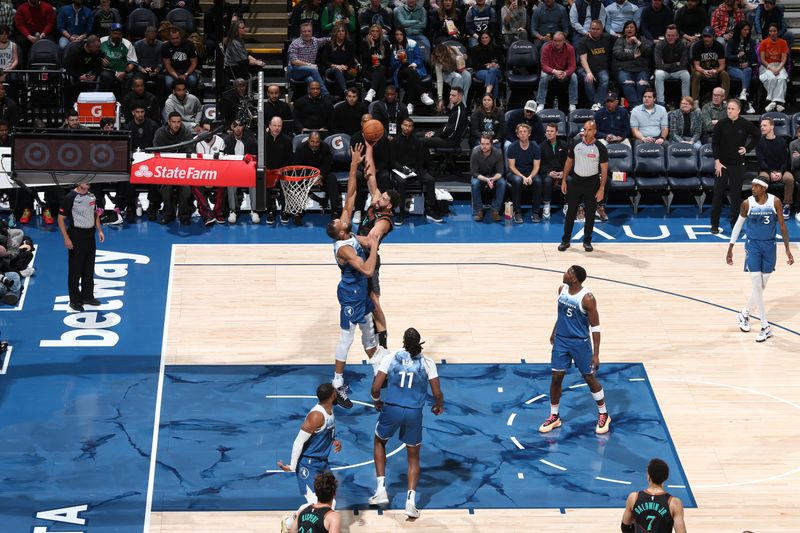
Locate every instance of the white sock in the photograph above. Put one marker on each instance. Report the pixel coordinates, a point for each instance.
(757, 297)
(764, 280)
(553, 409)
(598, 396)
(602, 409)
(412, 495)
(338, 380)
(381, 482)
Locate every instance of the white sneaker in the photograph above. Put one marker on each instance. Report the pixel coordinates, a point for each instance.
(564, 209)
(750, 109)
(254, 218)
(539, 108)
(370, 96)
(411, 509)
(743, 95)
(27, 272)
(546, 212)
(744, 321)
(356, 218)
(232, 217)
(426, 99)
(286, 523)
(779, 107)
(797, 216)
(764, 334)
(596, 107)
(139, 208)
(379, 498)
(410, 108)
(770, 106)
(572, 108)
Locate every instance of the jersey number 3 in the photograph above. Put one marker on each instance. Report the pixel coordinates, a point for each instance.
(403, 379)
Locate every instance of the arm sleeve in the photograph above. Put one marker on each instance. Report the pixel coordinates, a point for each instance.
(297, 447)
(737, 228)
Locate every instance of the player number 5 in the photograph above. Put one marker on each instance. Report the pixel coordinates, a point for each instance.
(403, 379)
(569, 311)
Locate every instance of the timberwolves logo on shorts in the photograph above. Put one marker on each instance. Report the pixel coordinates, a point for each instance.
(303, 472)
(348, 310)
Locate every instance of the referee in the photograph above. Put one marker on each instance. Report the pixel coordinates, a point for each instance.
(79, 207)
(586, 169)
(729, 144)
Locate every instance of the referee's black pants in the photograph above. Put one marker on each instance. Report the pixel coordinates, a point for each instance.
(581, 190)
(729, 183)
(81, 264)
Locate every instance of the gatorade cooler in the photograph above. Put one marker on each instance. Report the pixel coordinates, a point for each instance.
(96, 105)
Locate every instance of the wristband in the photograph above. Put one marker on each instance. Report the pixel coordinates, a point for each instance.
(374, 399)
(595, 329)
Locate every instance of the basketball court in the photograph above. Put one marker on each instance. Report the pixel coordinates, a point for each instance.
(209, 347)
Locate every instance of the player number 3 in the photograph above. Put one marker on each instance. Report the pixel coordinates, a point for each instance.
(403, 379)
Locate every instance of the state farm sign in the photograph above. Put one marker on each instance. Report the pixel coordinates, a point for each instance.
(177, 169)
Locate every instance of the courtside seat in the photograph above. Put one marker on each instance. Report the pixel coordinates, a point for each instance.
(557, 116)
(576, 120)
(339, 143)
(682, 171)
(650, 170)
(620, 159)
(783, 124)
(705, 166)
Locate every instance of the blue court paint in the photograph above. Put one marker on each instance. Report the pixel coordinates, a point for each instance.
(220, 433)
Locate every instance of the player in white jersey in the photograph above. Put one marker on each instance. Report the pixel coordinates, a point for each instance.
(762, 212)
(577, 320)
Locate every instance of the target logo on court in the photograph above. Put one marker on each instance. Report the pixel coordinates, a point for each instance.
(143, 172)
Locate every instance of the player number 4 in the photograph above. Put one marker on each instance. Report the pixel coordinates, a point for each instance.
(403, 379)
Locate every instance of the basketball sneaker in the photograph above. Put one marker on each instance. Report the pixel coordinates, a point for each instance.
(26, 216)
(286, 523)
(552, 422)
(342, 399)
(764, 334)
(744, 321)
(603, 423)
(411, 509)
(380, 498)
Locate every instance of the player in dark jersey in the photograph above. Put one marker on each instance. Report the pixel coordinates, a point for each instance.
(653, 510)
(378, 222)
(319, 517)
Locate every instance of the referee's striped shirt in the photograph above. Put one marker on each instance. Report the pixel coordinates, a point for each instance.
(587, 158)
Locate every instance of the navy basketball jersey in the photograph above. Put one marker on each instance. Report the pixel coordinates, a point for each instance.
(572, 322)
(762, 219)
(312, 520)
(407, 379)
(320, 444)
(350, 276)
(651, 513)
(373, 216)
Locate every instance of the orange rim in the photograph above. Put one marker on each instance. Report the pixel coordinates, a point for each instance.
(299, 173)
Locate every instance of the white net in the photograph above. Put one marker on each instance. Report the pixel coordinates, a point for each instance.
(296, 188)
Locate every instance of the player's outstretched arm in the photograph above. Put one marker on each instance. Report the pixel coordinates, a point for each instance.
(784, 232)
(676, 510)
(370, 172)
(350, 197)
(590, 304)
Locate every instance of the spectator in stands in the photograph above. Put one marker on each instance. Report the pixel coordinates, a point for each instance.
(558, 73)
(724, 19)
(9, 110)
(654, 20)
(514, 16)
(551, 170)
(278, 153)
(413, 19)
(618, 13)
(103, 17)
(581, 16)
(708, 60)
(275, 106)
(139, 96)
(671, 56)
(120, 58)
(303, 56)
(615, 122)
(242, 64)
(150, 64)
(632, 54)
(174, 132)
(317, 154)
(180, 60)
(375, 63)
(685, 123)
(487, 62)
(408, 154)
(481, 18)
(9, 58)
(712, 112)
(390, 112)
(84, 66)
(74, 23)
(446, 22)
(184, 103)
(773, 163)
(488, 118)
(794, 152)
(486, 169)
(523, 159)
(338, 58)
(649, 121)
(408, 68)
(594, 52)
(528, 116)
(241, 141)
(548, 18)
(450, 68)
(740, 58)
(338, 11)
(309, 11)
(457, 123)
(234, 103)
(347, 115)
(312, 112)
(143, 129)
(773, 53)
(34, 20)
(768, 13)
(690, 20)
(211, 146)
(378, 14)
(7, 13)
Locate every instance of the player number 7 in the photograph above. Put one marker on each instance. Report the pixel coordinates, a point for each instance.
(650, 519)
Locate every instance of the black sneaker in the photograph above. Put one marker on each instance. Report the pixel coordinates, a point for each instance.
(166, 219)
(435, 217)
(342, 398)
(587, 246)
(152, 215)
(209, 221)
(715, 230)
(535, 218)
(270, 217)
(401, 219)
(186, 221)
(563, 246)
(517, 218)
(285, 218)
(76, 306)
(91, 301)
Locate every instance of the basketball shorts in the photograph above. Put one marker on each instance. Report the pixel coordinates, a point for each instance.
(568, 349)
(760, 256)
(407, 420)
(374, 283)
(354, 303)
(307, 470)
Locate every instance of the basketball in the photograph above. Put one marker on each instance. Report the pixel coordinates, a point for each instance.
(373, 130)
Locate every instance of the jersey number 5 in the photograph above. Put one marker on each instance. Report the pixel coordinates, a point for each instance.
(569, 312)
(403, 379)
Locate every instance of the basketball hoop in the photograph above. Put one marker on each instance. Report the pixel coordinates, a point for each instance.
(296, 182)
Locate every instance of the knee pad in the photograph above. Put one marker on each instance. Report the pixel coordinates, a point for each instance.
(345, 341)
